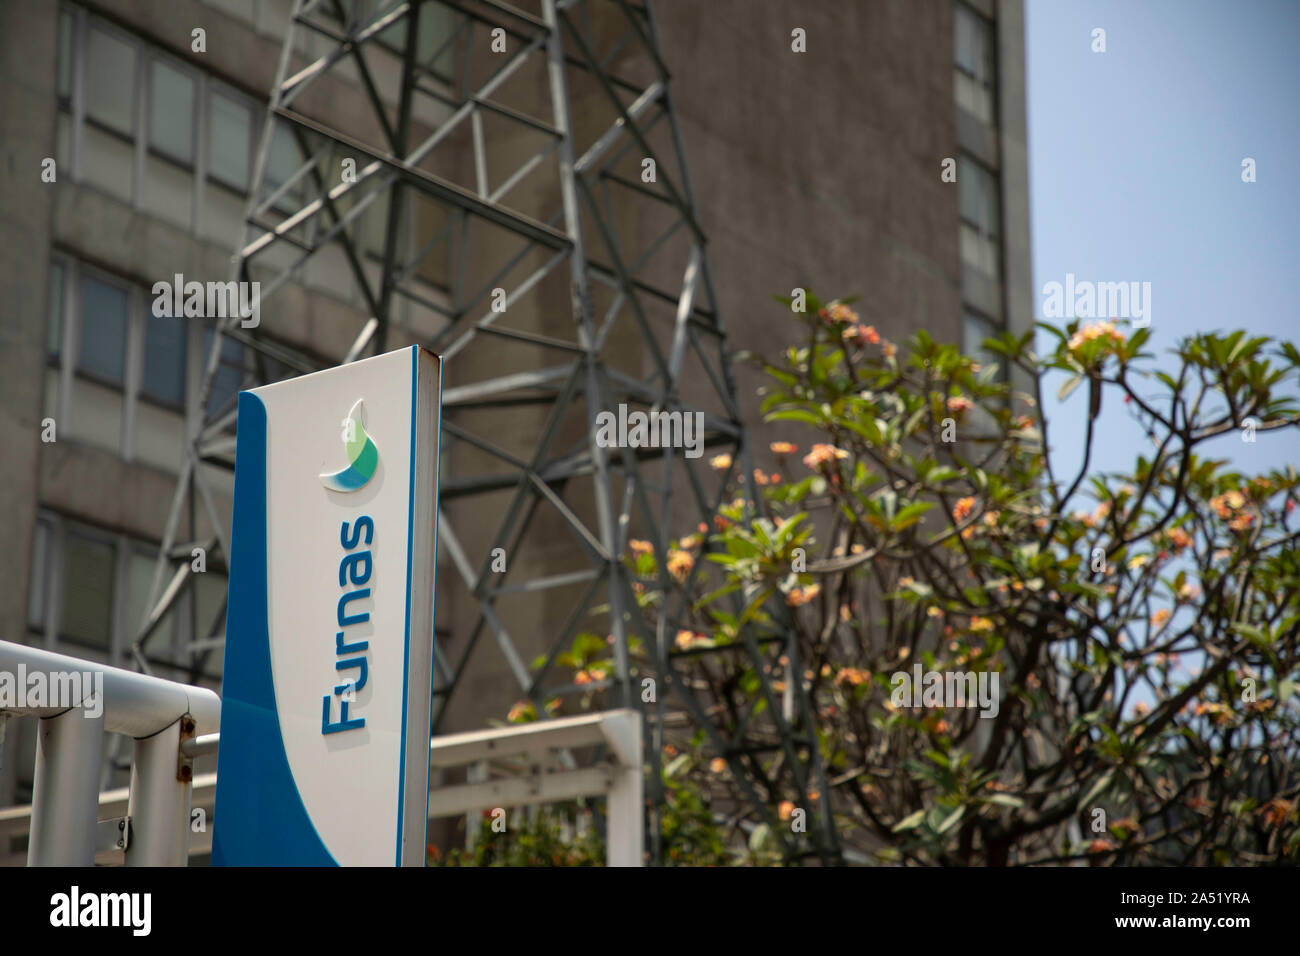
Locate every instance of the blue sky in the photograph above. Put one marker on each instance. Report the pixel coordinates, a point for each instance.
(1135, 174)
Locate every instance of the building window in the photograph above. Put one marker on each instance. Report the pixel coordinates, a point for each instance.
(65, 57)
(283, 160)
(110, 82)
(177, 102)
(229, 141)
(230, 374)
(171, 112)
(54, 322)
(977, 191)
(165, 352)
(974, 59)
(37, 589)
(975, 329)
(101, 352)
(86, 617)
(121, 355)
(100, 581)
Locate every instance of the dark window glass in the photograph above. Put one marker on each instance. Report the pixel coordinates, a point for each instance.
(164, 359)
(54, 322)
(110, 82)
(38, 586)
(230, 373)
(87, 590)
(65, 54)
(229, 136)
(282, 162)
(975, 329)
(102, 352)
(977, 191)
(973, 44)
(171, 112)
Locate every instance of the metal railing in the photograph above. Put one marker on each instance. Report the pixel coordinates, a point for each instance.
(174, 723)
(162, 716)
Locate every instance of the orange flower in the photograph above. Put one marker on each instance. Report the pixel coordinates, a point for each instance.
(720, 462)
(798, 597)
(962, 509)
(981, 625)
(786, 810)
(822, 454)
(759, 477)
(958, 404)
(680, 564)
(519, 711)
(685, 640)
(717, 765)
(1228, 503)
(641, 547)
(1161, 617)
(1097, 330)
(853, 676)
(838, 314)
(889, 349)
(861, 334)
(783, 448)
(1277, 810)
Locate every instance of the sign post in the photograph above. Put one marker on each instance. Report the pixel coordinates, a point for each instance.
(324, 755)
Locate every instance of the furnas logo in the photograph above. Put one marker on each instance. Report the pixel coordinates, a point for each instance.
(363, 456)
(354, 569)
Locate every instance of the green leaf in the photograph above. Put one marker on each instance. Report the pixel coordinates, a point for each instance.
(678, 763)
(1252, 634)
(1098, 788)
(1006, 800)
(910, 821)
(951, 820)
(794, 415)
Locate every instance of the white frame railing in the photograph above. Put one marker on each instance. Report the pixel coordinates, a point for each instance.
(619, 778)
(173, 723)
(160, 715)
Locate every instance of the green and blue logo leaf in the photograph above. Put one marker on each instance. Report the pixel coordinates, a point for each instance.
(361, 451)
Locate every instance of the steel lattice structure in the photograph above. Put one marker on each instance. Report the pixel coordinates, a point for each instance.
(491, 187)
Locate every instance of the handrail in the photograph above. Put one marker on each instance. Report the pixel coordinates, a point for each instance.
(137, 705)
(159, 714)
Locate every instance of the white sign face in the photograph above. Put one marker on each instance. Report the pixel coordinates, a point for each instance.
(324, 755)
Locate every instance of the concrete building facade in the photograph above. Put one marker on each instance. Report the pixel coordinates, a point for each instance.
(821, 169)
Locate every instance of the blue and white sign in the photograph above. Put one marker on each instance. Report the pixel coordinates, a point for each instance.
(324, 755)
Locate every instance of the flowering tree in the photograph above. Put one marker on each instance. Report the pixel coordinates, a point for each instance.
(1141, 629)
